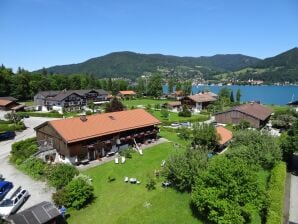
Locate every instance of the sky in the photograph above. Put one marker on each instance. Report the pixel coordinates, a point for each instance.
(43, 33)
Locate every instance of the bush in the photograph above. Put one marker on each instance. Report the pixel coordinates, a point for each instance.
(150, 185)
(22, 150)
(276, 191)
(228, 192)
(33, 167)
(185, 112)
(127, 153)
(164, 113)
(88, 112)
(40, 114)
(76, 194)
(184, 133)
(61, 174)
(257, 149)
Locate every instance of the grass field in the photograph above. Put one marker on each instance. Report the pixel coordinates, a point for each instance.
(120, 202)
(278, 108)
(142, 101)
(173, 117)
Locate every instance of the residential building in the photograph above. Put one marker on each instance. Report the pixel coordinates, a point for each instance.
(10, 103)
(225, 136)
(42, 213)
(95, 136)
(127, 94)
(294, 104)
(70, 100)
(198, 102)
(256, 114)
(174, 106)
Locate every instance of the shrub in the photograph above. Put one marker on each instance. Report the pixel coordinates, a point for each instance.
(33, 167)
(184, 133)
(150, 185)
(228, 192)
(40, 114)
(185, 112)
(88, 112)
(76, 194)
(256, 149)
(127, 153)
(276, 191)
(164, 113)
(61, 174)
(22, 150)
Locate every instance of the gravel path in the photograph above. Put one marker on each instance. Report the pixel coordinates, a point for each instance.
(38, 190)
(293, 216)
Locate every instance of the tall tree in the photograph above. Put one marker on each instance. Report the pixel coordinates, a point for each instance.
(155, 85)
(114, 105)
(232, 97)
(187, 87)
(171, 84)
(238, 96)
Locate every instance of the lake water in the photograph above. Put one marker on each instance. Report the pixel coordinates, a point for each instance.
(279, 95)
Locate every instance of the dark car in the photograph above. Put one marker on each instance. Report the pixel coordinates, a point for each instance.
(7, 135)
(5, 187)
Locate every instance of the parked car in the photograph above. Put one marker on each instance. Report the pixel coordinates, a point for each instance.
(11, 205)
(5, 187)
(7, 135)
(175, 124)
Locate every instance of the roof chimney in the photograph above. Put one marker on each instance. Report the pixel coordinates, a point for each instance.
(83, 118)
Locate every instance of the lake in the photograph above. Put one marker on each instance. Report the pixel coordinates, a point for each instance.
(279, 95)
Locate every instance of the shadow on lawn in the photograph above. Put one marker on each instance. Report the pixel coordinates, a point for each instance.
(197, 215)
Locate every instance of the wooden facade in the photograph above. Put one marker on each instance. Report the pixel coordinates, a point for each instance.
(235, 117)
(94, 148)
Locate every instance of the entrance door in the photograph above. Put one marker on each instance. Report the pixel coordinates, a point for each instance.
(91, 154)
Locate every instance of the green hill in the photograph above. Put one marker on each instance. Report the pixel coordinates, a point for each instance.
(280, 68)
(130, 64)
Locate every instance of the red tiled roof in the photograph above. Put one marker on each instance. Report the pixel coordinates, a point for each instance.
(74, 129)
(4, 102)
(127, 92)
(225, 134)
(202, 97)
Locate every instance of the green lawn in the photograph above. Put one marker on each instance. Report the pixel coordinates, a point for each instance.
(120, 202)
(278, 108)
(142, 101)
(28, 103)
(173, 117)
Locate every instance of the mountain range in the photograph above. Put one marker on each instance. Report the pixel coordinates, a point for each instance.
(131, 65)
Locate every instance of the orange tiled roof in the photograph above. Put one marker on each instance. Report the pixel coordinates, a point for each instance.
(4, 102)
(225, 134)
(74, 129)
(127, 92)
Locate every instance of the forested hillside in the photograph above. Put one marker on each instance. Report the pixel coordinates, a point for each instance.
(131, 65)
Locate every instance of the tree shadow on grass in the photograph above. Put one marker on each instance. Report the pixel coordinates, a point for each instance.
(196, 214)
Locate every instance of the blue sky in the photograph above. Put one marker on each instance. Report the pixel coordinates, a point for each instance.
(43, 33)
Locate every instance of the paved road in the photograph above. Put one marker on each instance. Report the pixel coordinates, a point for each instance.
(293, 216)
(39, 190)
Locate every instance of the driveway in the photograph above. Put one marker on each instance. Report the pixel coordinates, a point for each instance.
(38, 190)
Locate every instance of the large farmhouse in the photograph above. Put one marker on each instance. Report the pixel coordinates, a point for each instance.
(198, 101)
(95, 136)
(68, 99)
(256, 114)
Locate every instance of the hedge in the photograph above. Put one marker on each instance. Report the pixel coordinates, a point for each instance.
(39, 114)
(11, 126)
(22, 150)
(276, 191)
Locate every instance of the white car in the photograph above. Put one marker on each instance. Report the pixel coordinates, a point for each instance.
(11, 205)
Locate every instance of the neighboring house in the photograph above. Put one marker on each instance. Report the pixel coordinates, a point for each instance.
(196, 103)
(127, 94)
(256, 114)
(10, 103)
(42, 213)
(95, 136)
(70, 100)
(294, 104)
(177, 95)
(225, 136)
(174, 106)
